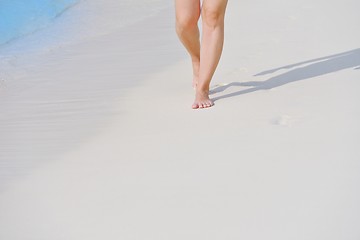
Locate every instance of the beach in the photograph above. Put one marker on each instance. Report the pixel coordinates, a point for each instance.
(98, 139)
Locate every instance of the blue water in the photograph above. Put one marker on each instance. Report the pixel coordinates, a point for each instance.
(21, 17)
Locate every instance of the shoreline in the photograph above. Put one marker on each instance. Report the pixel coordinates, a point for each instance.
(64, 96)
(28, 18)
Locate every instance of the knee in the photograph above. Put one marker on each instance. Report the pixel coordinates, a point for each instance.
(212, 18)
(185, 23)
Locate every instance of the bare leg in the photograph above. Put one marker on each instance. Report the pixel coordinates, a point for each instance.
(187, 17)
(213, 13)
(205, 57)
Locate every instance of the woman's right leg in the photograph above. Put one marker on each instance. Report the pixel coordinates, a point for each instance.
(187, 17)
(213, 14)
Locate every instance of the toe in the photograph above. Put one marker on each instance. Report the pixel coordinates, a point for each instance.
(195, 106)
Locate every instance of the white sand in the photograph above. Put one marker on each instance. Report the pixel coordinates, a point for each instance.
(98, 139)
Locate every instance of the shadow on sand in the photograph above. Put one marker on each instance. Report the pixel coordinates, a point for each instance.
(315, 67)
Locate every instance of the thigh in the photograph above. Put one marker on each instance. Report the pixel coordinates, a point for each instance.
(187, 9)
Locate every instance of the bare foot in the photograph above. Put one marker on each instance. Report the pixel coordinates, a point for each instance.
(202, 100)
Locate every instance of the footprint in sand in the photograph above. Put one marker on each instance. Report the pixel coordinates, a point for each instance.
(283, 120)
(2, 82)
(234, 74)
(221, 85)
(219, 88)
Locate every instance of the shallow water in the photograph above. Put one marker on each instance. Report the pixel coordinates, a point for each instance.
(21, 17)
(34, 25)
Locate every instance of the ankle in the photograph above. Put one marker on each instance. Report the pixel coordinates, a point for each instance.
(195, 60)
(203, 87)
(202, 90)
